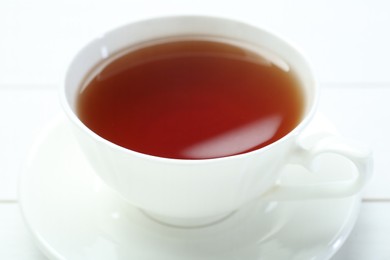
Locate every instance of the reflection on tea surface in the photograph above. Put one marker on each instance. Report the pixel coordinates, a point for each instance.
(191, 99)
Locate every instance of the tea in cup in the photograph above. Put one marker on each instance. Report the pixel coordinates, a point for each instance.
(191, 117)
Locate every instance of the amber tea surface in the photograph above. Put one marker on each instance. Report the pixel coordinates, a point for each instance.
(191, 99)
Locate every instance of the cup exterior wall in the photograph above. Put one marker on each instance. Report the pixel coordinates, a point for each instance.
(184, 188)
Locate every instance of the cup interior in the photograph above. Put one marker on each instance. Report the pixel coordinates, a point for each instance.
(104, 49)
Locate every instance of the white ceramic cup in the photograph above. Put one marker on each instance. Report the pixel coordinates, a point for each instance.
(207, 189)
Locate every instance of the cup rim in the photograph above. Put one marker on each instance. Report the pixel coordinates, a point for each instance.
(307, 116)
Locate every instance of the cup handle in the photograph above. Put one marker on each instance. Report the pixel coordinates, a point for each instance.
(304, 155)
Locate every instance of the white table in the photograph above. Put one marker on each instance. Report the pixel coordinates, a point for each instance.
(346, 41)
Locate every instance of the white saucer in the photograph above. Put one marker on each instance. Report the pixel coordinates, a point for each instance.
(74, 216)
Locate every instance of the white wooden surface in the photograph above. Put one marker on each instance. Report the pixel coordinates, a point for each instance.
(347, 42)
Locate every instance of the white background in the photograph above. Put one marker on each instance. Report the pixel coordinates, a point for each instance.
(346, 41)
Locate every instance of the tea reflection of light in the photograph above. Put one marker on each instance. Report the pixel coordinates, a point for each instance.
(237, 140)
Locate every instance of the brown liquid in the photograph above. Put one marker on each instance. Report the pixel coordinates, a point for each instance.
(191, 99)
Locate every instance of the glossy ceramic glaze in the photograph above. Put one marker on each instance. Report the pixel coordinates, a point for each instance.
(199, 190)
